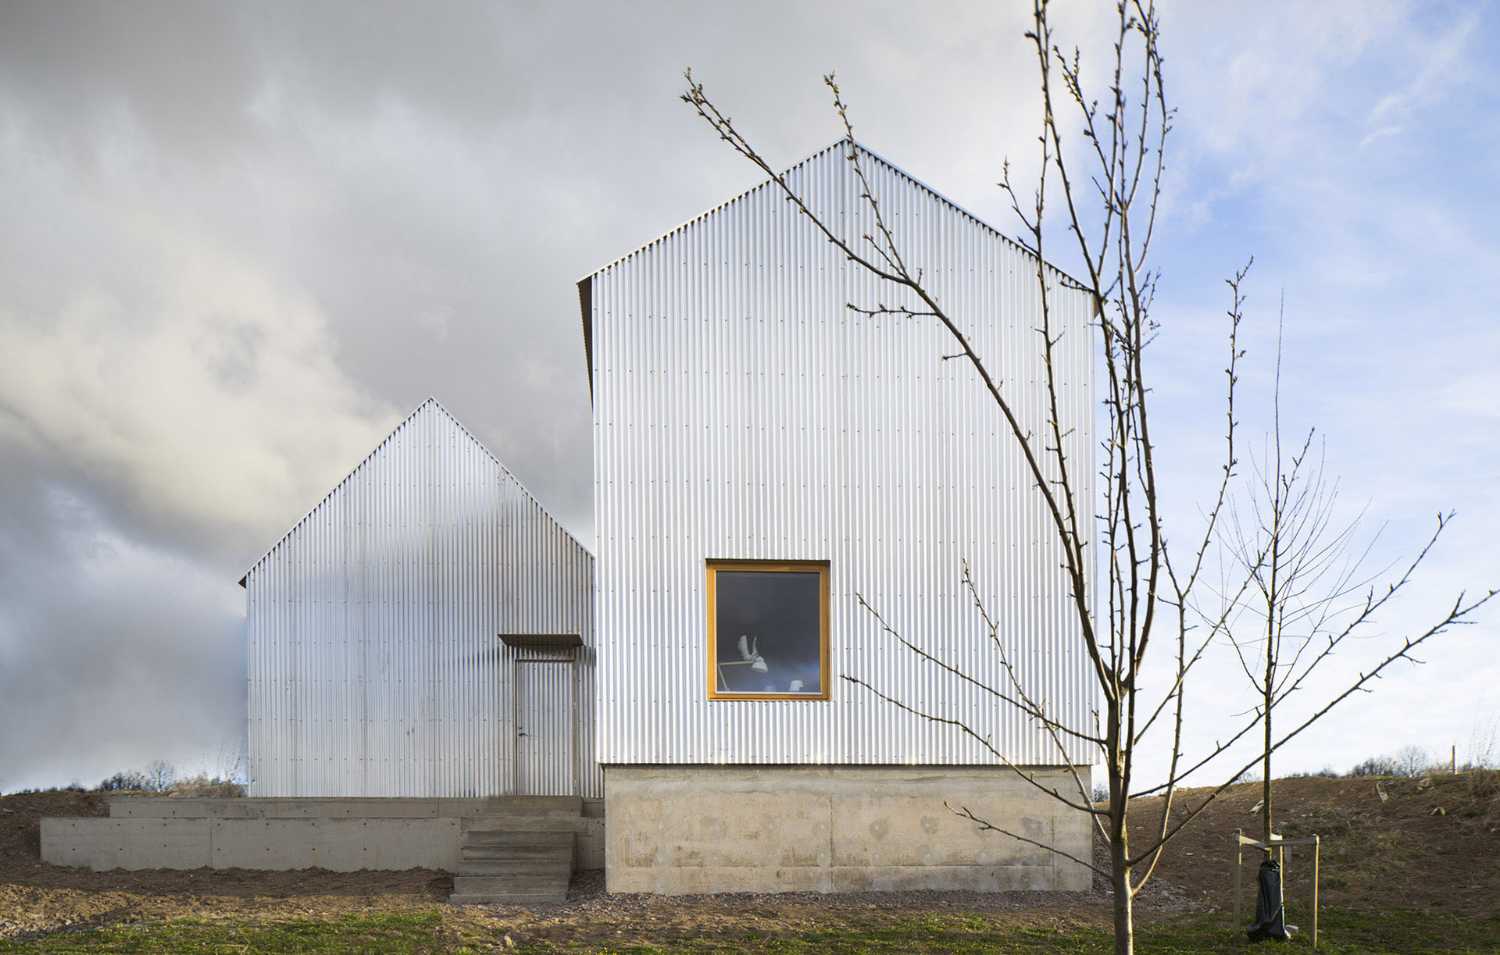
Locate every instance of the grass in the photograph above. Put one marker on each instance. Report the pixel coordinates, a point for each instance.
(424, 932)
(405, 934)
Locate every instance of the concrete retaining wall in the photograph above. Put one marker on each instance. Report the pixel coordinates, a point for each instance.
(689, 829)
(344, 845)
(344, 835)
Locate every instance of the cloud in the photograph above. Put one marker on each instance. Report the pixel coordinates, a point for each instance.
(103, 641)
(1442, 63)
(208, 403)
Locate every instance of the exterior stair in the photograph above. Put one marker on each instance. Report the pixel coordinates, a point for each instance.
(522, 853)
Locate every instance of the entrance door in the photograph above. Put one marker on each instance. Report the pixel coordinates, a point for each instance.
(545, 718)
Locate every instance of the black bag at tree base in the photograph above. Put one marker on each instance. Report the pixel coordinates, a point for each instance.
(1270, 914)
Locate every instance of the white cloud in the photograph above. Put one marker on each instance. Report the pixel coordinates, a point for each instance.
(1434, 64)
(187, 377)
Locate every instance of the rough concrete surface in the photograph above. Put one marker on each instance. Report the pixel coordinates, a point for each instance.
(343, 835)
(341, 845)
(701, 829)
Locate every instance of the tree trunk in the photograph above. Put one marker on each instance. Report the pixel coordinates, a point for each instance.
(1119, 854)
(1265, 784)
(1124, 903)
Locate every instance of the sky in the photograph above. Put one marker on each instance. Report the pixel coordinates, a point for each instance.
(241, 242)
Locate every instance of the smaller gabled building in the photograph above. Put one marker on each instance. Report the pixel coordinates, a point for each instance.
(426, 630)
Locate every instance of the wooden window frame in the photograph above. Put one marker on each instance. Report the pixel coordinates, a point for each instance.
(711, 583)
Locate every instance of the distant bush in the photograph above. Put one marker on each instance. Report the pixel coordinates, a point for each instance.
(1375, 766)
(160, 778)
(120, 782)
(1409, 761)
(1412, 761)
(205, 786)
(1327, 772)
(1484, 783)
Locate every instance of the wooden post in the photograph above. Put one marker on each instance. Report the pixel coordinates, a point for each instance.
(1239, 852)
(1453, 759)
(1286, 860)
(1281, 870)
(1317, 862)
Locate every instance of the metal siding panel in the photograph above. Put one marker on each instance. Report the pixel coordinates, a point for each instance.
(740, 410)
(371, 628)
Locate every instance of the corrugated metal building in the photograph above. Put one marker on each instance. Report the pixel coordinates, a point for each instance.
(374, 634)
(761, 455)
(756, 442)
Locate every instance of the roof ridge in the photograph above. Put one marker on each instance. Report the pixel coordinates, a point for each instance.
(817, 154)
(453, 419)
(710, 211)
(505, 470)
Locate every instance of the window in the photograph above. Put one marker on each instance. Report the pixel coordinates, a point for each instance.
(767, 630)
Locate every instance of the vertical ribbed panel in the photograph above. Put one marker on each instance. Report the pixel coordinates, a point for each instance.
(742, 411)
(375, 666)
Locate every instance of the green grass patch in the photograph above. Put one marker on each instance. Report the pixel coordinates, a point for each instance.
(1342, 933)
(961, 934)
(404, 934)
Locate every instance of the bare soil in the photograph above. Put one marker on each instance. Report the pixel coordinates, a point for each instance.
(1398, 853)
(1432, 845)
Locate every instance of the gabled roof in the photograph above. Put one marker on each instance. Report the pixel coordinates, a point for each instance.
(585, 284)
(436, 406)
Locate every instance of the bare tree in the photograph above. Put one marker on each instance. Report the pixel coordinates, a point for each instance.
(1306, 573)
(1412, 761)
(1109, 207)
(159, 775)
(1484, 743)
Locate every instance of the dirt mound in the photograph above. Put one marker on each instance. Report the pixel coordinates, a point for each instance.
(1430, 844)
(20, 821)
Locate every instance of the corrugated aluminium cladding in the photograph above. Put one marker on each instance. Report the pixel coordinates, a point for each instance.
(375, 666)
(741, 410)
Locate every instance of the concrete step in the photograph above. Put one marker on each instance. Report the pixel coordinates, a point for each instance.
(554, 821)
(514, 865)
(511, 883)
(519, 853)
(520, 838)
(532, 805)
(518, 865)
(537, 870)
(500, 888)
(532, 898)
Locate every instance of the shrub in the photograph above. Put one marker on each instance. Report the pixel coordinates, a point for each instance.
(205, 786)
(120, 782)
(1375, 766)
(1484, 783)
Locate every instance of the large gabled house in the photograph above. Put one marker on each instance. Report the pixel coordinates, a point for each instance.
(762, 455)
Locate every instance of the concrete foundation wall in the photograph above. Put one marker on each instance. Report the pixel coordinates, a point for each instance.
(344, 835)
(343, 845)
(691, 829)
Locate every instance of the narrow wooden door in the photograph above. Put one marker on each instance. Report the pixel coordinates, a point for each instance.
(545, 757)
